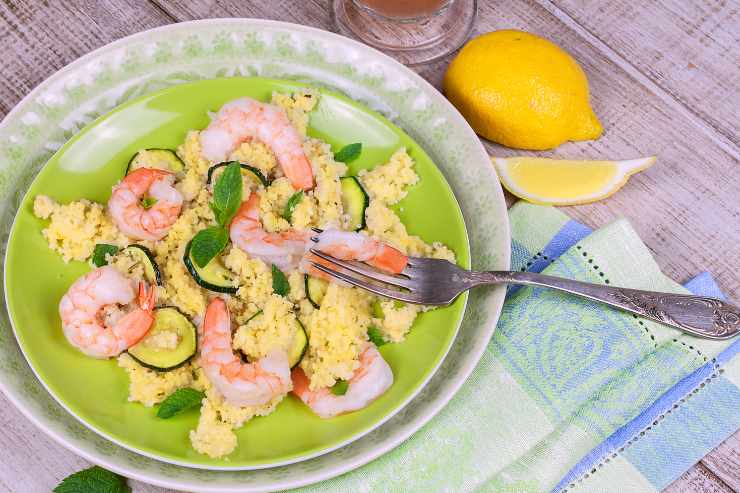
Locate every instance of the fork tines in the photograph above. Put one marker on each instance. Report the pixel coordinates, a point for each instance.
(358, 274)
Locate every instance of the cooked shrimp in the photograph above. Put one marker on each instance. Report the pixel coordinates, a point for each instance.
(129, 214)
(284, 249)
(369, 382)
(241, 384)
(93, 319)
(346, 245)
(246, 118)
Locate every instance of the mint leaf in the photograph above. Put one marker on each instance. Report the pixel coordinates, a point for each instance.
(215, 210)
(179, 401)
(340, 388)
(375, 336)
(348, 153)
(93, 480)
(148, 202)
(293, 202)
(207, 243)
(398, 304)
(279, 282)
(101, 249)
(227, 193)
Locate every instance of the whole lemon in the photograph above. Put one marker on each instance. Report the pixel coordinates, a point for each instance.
(521, 90)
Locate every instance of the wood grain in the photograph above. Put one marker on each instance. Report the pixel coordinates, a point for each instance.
(696, 479)
(724, 461)
(687, 48)
(650, 100)
(33, 462)
(37, 39)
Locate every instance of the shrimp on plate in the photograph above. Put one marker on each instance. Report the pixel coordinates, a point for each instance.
(244, 119)
(130, 214)
(347, 245)
(241, 384)
(98, 316)
(369, 381)
(284, 249)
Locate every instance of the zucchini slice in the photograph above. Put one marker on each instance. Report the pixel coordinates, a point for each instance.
(315, 290)
(145, 257)
(354, 202)
(247, 170)
(156, 158)
(167, 319)
(214, 276)
(377, 309)
(299, 347)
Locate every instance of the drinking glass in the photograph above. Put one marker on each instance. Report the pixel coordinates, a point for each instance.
(413, 31)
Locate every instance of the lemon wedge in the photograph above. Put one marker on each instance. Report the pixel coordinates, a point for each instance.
(565, 181)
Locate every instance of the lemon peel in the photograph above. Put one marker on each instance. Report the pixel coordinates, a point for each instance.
(522, 91)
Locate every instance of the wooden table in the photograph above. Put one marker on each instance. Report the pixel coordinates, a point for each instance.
(664, 79)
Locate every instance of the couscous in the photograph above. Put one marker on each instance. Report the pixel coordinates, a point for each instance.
(211, 239)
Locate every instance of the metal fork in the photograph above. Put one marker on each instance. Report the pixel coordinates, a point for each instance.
(428, 281)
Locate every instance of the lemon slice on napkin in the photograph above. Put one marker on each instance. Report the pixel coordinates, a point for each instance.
(565, 181)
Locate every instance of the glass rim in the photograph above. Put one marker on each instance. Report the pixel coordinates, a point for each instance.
(361, 5)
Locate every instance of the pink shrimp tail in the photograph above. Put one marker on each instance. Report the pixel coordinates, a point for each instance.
(389, 259)
(141, 179)
(136, 324)
(249, 210)
(300, 383)
(301, 177)
(147, 296)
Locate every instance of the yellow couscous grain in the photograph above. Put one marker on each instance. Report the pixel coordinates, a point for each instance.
(263, 320)
(75, 228)
(389, 183)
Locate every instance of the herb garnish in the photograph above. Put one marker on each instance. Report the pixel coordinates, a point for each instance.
(279, 282)
(348, 153)
(179, 401)
(101, 250)
(227, 197)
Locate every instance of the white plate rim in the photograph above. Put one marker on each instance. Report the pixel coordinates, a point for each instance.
(347, 465)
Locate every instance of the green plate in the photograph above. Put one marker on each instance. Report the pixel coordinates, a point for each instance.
(96, 391)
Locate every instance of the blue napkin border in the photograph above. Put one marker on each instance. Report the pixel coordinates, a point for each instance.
(571, 233)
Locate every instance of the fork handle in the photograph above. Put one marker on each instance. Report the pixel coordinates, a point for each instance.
(699, 315)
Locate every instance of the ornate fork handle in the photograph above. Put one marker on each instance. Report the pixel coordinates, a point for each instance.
(698, 315)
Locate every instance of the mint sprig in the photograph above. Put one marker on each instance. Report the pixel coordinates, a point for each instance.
(279, 282)
(375, 336)
(179, 401)
(93, 480)
(227, 193)
(348, 153)
(227, 197)
(293, 202)
(207, 243)
(340, 388)
(100, 251)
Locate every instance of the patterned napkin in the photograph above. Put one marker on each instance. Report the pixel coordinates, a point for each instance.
(571, 395)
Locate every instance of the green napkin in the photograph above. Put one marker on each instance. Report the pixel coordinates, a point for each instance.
(571, 395)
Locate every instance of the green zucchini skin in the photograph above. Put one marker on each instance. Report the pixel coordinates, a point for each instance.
(150, 258)
(315, 290)
(175, 163)
(255, 172)
(300, 345)
(197, 276)
(152, 366)
(354, 201)
(298, 351)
